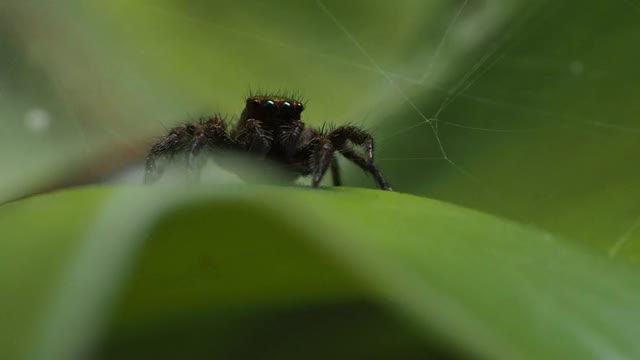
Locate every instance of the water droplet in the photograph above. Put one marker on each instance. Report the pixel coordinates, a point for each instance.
(37, 120)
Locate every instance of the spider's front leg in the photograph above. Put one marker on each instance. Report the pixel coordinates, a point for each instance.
(168, 146)
(335, 172)
(359, 137)
(371, 168)
(293, 135)
(321, 159)
(211, 135)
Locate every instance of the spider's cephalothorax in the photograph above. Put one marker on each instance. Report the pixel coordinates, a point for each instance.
(270, 128)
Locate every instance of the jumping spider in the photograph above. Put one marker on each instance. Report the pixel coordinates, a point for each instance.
(270, 128)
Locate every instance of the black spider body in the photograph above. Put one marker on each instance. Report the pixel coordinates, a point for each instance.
(270, 128)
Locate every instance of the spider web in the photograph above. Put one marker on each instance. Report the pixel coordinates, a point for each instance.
(446, 156)
(489, 59)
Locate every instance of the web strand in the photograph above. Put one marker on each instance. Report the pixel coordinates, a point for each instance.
(453, 95)
(364, 52)
(477, 71)
(472, 76)
(426, 120)
(622, 240)
(438, 50)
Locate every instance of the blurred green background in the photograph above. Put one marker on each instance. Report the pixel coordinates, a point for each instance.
(522, 109)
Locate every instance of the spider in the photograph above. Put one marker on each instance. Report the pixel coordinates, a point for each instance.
(269, 128)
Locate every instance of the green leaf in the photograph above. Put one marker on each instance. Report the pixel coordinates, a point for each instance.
(242, 272)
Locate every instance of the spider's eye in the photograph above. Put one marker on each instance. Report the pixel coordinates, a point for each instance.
(253, 102)
(286, 106)
(299, 107)
(269, 105)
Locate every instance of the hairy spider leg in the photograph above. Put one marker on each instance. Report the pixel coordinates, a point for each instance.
(269, 127)
(194, 161)
(192, 139)
(369, 167)
(292, 135)
(168, 146)
(340, 135)
(322, 158)
(335, 172)
(211, 135)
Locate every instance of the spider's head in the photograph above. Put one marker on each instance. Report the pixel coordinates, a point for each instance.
(274, 110)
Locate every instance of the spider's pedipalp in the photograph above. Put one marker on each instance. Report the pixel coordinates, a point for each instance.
(290, 135)
(253, 136)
